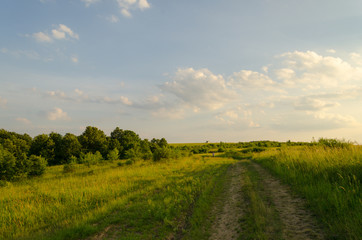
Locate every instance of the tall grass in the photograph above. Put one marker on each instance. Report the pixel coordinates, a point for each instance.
(330, 180)
(147, 200)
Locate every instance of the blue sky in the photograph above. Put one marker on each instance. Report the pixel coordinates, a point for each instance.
(189, 71)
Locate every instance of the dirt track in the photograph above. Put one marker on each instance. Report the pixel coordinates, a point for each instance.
(297, 222)
(227, 224)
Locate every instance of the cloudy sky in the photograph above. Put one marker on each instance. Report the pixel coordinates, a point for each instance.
(189, 71)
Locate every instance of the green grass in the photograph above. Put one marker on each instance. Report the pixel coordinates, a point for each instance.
(260, 219)
(145, 200)
(328, 178)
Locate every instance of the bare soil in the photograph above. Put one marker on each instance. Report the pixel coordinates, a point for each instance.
(298, 222)
(226, 225)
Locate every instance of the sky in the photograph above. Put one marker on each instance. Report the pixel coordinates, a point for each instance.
(189, 71)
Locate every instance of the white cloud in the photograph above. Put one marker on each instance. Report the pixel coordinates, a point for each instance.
(61, 33)
(68, 31)
(313, 104)
(315, 71)
(125, 101)
(57, 114)
(199, 88)
(58, 34)
(3, 102)
(80, 96)
(127, 5)
(89, 2)
(247, 79)
(126, 13)
(42, 37)
(143, 4)
(342, 120)
(23, 120)
(176, 113)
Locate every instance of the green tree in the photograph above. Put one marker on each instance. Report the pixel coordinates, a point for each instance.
(70, 146)
(145, 149)
(7, 165)
(57, 149)
(43, 146)
(127, 139)
(37, 165)
(93, 140)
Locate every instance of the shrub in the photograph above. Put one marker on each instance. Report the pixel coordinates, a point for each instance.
(113, 155)
(70, 167)
(161, 153)
(92, 159)
(7, 165)
(129, 162)
(37, 165)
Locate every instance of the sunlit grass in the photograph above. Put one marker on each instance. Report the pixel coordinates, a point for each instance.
(149, 199)
(330, 180)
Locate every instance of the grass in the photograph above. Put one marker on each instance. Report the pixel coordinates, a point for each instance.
(260, 219)
(145, 200)
(328, 178)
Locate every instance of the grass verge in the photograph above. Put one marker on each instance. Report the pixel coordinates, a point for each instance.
(328, 178)
(260, 219)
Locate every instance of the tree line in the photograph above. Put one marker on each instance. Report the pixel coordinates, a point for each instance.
(23, 156)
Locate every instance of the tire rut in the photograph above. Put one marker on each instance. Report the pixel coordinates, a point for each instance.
(226, 225)
(298, 223)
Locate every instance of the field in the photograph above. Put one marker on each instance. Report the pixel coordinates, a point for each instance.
(286, 192)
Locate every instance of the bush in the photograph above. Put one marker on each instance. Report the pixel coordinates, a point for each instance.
(7, 165)
(70, 167)
(113, 155)
(129, 162)
(92, 159)
(161, 153)
(37, 165)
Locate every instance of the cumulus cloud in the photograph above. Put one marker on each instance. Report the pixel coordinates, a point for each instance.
(240, 116)
(23, 120)
(127, 5)
(166, 113)
(80, 96)
(316, 71)
(62, 32)
(3, 102)
(340, 120)
(313, 104)
(89, 2)
(199, 88)
(246, 79)
(42, 37)
(57, 114)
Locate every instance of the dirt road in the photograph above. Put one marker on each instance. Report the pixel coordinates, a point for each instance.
(229, 214)
(284, 215)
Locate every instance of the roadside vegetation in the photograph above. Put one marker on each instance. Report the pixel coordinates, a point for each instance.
(328, 175)
(120, 186)
(146, 200)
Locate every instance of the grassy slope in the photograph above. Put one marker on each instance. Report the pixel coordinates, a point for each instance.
(329, 179)
(145, 200)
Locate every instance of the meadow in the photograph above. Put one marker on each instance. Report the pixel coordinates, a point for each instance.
(145, 200)
(329, 177)
(174, 198)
